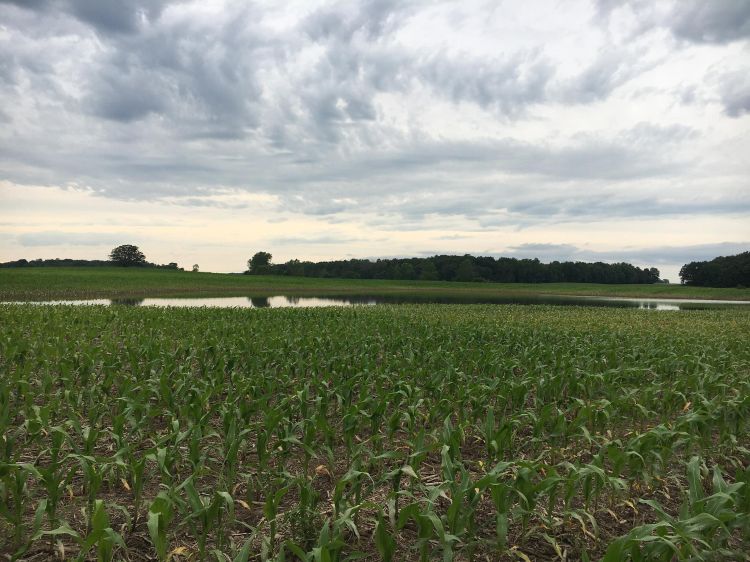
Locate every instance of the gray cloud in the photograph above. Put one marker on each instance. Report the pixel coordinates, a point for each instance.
(545, 252)
(597, 81)
(29, 4)
(684, 254)
(212, 78)
(126, 96)
(201, 78)
(507, 85)
(208, 78)
(697, 21)
(344, 182)
(106, 16)
(716, 21)
(658, 255)
(735, 94)
(591, 205)
(146, 100)
(116, 16)
(343, 20)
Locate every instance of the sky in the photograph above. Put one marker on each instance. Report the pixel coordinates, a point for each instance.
(205, 131)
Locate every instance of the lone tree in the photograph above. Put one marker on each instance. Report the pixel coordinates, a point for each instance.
(127, 255)
(195, 268)
(258, 262)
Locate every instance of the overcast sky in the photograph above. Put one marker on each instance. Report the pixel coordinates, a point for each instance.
(204, 131)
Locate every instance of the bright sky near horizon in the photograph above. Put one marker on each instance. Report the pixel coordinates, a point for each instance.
(204, 131)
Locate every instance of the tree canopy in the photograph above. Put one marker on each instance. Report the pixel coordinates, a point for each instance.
(127, 255)
(723, 271)
(259, 262)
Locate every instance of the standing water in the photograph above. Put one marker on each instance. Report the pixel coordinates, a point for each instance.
(283, 301)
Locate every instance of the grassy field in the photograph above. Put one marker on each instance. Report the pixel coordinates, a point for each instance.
(73, 283)
(378, 433)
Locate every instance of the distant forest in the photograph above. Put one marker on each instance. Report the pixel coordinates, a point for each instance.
(467, 268)
(67, 262)
(724, 271)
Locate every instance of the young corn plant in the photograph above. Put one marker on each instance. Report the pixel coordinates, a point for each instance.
(100, 535)
(136, 471)
(271, 513)
(384, 542)
(160, 515)
(702, 527)
(93, 471)
(14, 497)
(54, 476)
(207, 514)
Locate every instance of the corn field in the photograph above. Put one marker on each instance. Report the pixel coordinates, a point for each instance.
(374, 433)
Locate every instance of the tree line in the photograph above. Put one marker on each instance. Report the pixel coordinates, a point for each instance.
(460, 268)
(68, 262)
(126, 255)
(724, 271)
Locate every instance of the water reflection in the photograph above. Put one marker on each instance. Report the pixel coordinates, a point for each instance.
(127, 302)
(260, 302)
(283, 301)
